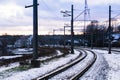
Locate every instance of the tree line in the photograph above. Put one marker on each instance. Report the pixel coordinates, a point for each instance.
(97, 34)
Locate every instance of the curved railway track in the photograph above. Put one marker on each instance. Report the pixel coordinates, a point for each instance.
(84, 70)
(71, 65)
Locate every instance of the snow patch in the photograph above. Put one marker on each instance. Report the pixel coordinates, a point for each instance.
(10, 57)
(23, 51)
(13, 65)
(35, 72)
(99, 69)
(114, 66)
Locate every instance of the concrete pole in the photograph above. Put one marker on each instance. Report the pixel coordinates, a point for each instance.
(109, 47)
(34, 61)
(64, 36)
(35, 30)
(72, 32)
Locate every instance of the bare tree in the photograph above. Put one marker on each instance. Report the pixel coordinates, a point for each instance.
(118, 29)
(95, 32)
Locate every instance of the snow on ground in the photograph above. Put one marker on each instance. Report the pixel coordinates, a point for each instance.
(48, 57)
(16, 64)
(10, 69)
(106, 67)
(113, 61)
(23, 51)
(114, 66)
(10, 57)
(12, 65)
(98, 70)
(35, 72)
(74, 69)
(118, 49)
(6, 70)
(58, 52)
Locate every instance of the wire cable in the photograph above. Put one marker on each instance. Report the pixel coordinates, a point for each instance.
(51, 10)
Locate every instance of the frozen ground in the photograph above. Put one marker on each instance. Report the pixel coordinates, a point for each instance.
(98, 70)
(23, 51)
(10, 57)
(74, 69)
(106, 67)
(35, 72)
(113, 61)
(14, 68)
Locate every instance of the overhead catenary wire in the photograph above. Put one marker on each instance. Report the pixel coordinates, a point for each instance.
(113, 17)
(116, 15)
(51, 10)
(79, 15)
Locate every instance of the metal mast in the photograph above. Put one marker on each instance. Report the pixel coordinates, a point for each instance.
(109, 31)
(34, 62)
(72, 31)
(85, 13)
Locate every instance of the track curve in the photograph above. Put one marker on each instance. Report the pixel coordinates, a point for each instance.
(64, 68)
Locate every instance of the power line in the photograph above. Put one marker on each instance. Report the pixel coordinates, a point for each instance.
(79, 15)
(51, 10)
(116, 15)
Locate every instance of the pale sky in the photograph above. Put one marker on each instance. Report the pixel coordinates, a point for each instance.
(16, 19)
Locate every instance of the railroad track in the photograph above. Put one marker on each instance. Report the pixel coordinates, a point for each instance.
(62, 70)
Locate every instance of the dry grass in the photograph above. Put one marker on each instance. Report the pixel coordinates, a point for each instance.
(46, 51)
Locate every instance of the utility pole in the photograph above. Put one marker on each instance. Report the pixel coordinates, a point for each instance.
(65, 25)
(35, 29)
(72, 31)
(109, 31)
(86, 11)
(64, 36)
(34, 62)
(66, 14)
(91, 35)
(53, 37)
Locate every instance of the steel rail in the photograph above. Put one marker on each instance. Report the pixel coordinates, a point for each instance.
(61, 69)
(85, 69)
